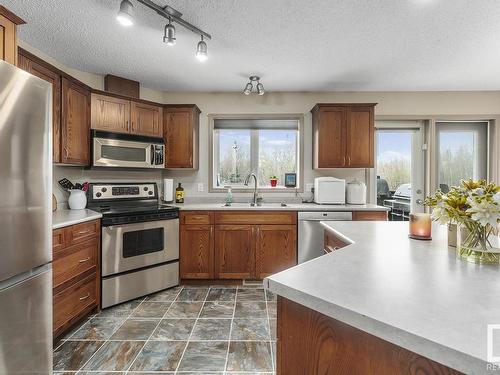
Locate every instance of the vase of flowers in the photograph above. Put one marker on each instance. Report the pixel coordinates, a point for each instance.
(474, 207)
(274, 181)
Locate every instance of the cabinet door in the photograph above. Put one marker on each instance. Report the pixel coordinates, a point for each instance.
(8, 44)
(197, 252)
(234, 252)
(359, 139)
(75, 123)
(55, 79)
(179, 128)
(110, 114)
(329, 135)
(146, 119)
(276, 249)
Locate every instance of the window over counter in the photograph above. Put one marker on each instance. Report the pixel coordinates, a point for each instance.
(462, 152)
(268, 146)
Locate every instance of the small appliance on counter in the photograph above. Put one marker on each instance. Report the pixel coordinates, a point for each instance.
(168, 190)
(329, 190)
(356, 192)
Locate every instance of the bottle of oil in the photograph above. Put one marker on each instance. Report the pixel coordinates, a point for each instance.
(179, 194)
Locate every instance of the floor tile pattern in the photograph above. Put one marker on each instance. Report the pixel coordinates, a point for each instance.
(187, 330)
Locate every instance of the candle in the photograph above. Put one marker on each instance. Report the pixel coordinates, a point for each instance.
(420, 226)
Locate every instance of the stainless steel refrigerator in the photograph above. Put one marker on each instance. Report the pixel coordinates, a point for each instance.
(25, 223)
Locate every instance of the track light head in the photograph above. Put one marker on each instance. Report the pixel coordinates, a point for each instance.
(202, 50)
(260, 89)
(248, 88)
(126, 13)
(169, 35)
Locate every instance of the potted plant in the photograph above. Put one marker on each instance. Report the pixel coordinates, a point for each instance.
(274, 181)
(474, 207)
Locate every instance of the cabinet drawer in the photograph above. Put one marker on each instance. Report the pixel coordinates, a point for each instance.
(74, 261)
(81, 232)
(71, 302)
(256, 217)
(57, 239)
(197, 217)
(369, 216)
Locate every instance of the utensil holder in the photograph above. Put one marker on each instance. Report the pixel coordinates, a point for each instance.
(77, 199)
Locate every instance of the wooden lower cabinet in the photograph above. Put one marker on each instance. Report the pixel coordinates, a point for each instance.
(276, 249)
(197, 251)
(309, 342)
(235, 252)
(75, 274)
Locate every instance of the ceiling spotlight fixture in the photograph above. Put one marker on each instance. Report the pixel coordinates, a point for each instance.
(201, 50)
(169, 35)
(126, 13)
(126, 17)
(249, 86)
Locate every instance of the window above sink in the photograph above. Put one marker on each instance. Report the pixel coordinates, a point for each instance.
(267, 145)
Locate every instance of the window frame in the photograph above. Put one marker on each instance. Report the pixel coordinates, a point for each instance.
(254, 153)
(480, 161)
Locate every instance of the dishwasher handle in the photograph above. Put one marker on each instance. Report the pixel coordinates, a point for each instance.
(325, 216)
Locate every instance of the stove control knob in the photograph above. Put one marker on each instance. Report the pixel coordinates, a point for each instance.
(150, 192)
(145, 188)
(104, 190)
(98, 194)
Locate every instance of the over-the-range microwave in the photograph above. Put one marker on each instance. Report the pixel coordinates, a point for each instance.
(115, 150)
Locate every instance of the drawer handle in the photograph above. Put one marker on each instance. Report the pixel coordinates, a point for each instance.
(84, 260)
(85, 297)
(84, 232)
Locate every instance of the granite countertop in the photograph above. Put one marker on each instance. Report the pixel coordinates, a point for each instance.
(415, 294)
(65, 217)
(219, 206)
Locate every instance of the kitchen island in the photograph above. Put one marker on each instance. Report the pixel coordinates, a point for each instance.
(385, 304)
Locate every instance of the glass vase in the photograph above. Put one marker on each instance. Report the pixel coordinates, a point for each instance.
(478, 244)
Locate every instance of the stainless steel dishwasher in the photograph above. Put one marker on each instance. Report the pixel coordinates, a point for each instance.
(311, 233)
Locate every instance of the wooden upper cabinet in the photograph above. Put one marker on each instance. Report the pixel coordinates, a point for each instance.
(329, 134)
(180, 128)
(360, 137)
(146, 119)
(110, 114)
(8, 35)
(75, 123)
(234, 252)
(276, 249)
(32, 65)
(343, 135)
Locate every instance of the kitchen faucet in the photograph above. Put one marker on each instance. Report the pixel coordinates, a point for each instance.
(255, 195)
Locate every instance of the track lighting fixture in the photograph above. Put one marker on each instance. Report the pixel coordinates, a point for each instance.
(169, 35)
(249, 86)
(201, 50)
(126, 13)
(126, 17)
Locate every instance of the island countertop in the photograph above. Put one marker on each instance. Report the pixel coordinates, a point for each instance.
(414, 294)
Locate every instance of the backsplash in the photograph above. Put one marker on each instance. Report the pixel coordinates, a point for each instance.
(77, 174)
(189, 180)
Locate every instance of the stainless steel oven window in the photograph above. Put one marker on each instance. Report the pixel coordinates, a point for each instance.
(141, 242)
(123, 153)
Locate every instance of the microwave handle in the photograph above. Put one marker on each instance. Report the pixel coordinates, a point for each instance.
(152, 156)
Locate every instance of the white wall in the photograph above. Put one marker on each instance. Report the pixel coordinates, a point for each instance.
(391, 105)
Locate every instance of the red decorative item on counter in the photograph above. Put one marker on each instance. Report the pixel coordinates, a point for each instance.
(274, 182)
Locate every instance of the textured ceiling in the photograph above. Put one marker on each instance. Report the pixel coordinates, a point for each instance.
(295, 45)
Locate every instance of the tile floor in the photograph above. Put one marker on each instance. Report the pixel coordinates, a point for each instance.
(185, 330)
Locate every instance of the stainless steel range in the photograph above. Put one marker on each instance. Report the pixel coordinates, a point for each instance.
(140, 240)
